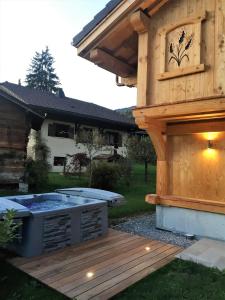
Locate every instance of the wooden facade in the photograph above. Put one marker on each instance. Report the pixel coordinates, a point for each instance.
(173, 51)
(16, 120)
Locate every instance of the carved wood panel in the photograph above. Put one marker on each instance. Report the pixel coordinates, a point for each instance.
(180, 48)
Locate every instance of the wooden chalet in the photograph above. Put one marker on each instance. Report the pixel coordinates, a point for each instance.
(16, 120)
(173, 51)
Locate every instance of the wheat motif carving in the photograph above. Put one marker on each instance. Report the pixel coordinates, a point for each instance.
(179, 51)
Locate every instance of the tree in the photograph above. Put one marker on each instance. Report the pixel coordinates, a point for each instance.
(37, 170)
(140, 149)
(41, 74)
(93, 143)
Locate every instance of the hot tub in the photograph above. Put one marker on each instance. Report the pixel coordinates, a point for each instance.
(57, 220)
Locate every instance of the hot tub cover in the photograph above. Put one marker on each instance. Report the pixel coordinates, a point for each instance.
(113, 199)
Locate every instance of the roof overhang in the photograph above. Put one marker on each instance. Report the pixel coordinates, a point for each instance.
(36, 119)
(85, 120)
(112, 43)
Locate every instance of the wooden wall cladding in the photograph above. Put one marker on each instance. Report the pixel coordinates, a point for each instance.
(194, 170)
(208, 55)
(14, 130)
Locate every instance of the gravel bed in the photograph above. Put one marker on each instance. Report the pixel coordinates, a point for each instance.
(144, 225)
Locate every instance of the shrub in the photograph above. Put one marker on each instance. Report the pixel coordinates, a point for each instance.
(104, 176)
(77, 162)
(8, 228)
(37, 173)
(124, 167)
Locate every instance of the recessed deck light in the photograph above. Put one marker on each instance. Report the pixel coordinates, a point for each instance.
(89, 274)
(147, 248)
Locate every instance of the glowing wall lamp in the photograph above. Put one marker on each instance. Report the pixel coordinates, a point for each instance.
(210, 152)
(210, 144)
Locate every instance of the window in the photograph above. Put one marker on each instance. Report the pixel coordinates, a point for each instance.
(59, 161)
(113, 139)
(61, 130)
(85, 135)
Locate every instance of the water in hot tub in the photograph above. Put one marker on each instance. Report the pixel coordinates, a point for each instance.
(48, 202)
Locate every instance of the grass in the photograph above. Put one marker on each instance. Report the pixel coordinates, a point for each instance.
(16, 285)
(135, 194)
(179, 280)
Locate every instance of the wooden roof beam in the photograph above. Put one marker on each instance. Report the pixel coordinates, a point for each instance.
(192, 108)
(111, 63)
(141, 24)
(140, 21)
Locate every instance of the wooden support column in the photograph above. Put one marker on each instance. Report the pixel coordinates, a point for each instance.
(141, 24)
(157, 132)
(162, 178)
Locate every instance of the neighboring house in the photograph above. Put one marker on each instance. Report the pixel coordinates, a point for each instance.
(174, 52)
(16, 120)
(67, 118)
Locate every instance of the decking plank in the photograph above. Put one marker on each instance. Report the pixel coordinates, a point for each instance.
(116, 289)
(82, 264)
(121, 277)
(115, 272)
(117, 260)
(96, 252)
(35, 262)
(95, 264)
(104, 267)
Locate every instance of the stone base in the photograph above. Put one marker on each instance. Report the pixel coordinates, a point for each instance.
(199, 223)
(209, 253)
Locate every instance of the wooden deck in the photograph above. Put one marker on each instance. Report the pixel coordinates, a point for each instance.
(101, 268)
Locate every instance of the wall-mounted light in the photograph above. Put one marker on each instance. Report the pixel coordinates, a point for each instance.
(210, 151)
(210, 144)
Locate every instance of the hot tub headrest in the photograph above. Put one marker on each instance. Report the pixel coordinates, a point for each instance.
(6, 204)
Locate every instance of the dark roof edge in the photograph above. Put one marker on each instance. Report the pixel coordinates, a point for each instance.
(103, 120)
(14, 98)
(110, 6)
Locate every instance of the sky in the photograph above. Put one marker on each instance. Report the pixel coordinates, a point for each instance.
(27, 26)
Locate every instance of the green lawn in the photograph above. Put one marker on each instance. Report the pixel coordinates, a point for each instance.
(16, 285)
(177, 281)
(135, 193)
